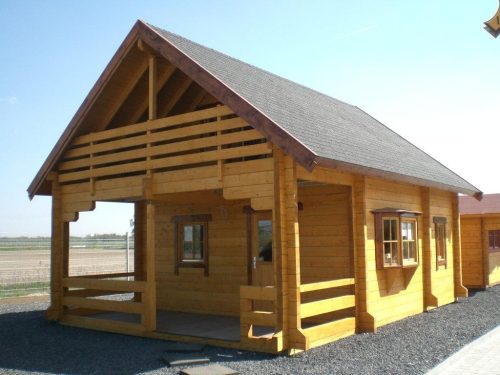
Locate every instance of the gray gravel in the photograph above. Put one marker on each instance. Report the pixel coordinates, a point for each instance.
(29, 344)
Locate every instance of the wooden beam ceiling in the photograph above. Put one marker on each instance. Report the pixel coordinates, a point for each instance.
(125, 89)
(170, 96)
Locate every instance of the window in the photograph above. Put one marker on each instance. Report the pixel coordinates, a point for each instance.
(408, 238)
(396, 239)
(494, 240)
(440, 236)
(265, 238)
(191, 241)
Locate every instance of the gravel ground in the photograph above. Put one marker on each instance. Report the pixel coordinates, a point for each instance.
(29, 344)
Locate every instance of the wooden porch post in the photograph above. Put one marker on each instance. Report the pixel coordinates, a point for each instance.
(58, 254)
(460, 290)
(149, 316)
(139, 264)
(365, 322)
(287, 271)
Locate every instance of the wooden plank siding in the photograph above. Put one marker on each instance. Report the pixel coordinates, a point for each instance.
(472, 252)
(392, 295)
(480, 265)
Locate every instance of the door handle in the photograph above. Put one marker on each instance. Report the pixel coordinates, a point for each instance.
(254, 262)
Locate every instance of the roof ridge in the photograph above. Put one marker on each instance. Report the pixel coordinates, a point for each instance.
(252, 66)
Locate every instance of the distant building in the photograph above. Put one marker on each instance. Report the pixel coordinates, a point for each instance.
(480, 231)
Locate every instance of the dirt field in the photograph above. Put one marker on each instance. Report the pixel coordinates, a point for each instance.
(29, 266)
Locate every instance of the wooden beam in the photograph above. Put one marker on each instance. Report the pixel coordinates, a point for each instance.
(279, 248)
(114, 106)
(163, 75)
(149, 316)
(327, 305)
(152, 89)
(175, 96)
(261, 293)
(104, 305)
(103, 325)
(326, 285)
(55, 311)
(115, 285)
(365, 322)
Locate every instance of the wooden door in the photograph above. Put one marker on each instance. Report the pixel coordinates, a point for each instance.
(262, 254)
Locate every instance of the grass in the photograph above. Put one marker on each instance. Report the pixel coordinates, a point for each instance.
(23, 289)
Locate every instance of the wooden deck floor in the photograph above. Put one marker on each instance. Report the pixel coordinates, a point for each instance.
(189, 324)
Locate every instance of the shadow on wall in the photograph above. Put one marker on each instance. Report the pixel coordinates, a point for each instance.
(30, 343)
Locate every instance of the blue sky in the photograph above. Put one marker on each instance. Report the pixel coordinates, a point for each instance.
(426, 69)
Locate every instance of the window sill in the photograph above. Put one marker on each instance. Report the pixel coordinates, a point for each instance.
(410, 265)
(441, 262)
(192, 263)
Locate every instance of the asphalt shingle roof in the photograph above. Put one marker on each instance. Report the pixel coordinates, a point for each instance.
(330, 128)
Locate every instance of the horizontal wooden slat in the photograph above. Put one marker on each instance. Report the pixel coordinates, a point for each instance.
(107, 275)
(105, 305)
(90, 293)
(155, 124)
(192, 144)
(261, 293)
(141, 139)
(326, 285)
(327, 305)
(332, 330)
(116, 285)
(102, 324)
(259, 318)
(258, 149)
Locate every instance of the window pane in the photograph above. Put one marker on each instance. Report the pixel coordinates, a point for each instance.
(411, 250)
(406, 251)
(198, 241)
(394, 229)
(265, 238)
(188, 233)
(387, 253)
(395, 256)
(440, 240)
(387, 230)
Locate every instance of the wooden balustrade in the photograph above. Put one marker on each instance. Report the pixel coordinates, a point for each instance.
(206, 136)
(327, 331)
(78, 293)
(249, 316)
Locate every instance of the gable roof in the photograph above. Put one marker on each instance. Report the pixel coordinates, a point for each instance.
(312, 127)
(490, 204)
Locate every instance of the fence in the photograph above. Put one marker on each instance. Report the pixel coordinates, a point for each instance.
(25, 262)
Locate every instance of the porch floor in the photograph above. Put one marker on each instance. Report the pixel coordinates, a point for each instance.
(190, 324)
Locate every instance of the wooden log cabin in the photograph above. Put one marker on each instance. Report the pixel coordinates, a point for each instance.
(480, 232)
(268, 216)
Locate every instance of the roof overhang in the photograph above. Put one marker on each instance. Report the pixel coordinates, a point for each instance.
(377, 173)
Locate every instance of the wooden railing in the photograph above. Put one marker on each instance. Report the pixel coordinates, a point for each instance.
(77, 298)
(197, 138)
(331, 329)
(250, 296)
